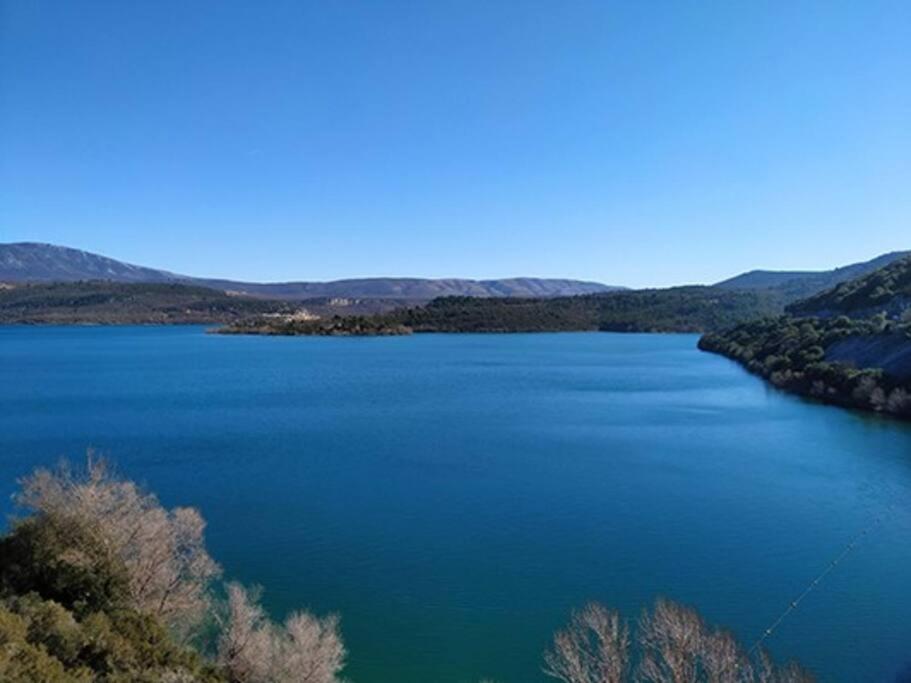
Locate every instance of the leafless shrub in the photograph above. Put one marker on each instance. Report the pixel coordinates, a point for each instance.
(163, 551)
(673, 644)
(308, 649)
(723, 660)
(671, 638)
(245, 646)
(252, 649)
(594, 648)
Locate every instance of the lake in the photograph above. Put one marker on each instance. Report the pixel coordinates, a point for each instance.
(454, 496)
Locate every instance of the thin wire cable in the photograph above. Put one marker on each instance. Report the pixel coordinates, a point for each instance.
(815, 582)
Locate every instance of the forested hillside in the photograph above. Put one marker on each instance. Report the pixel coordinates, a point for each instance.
(681, 309)
(112, 303)
(119, 303)
(822, 359)
(850, 345)
(887, 290)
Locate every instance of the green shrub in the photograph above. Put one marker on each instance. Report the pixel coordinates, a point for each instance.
(61, 559)
(64, 614)
(791, 354)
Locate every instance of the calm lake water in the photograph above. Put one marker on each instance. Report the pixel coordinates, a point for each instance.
(453, 497)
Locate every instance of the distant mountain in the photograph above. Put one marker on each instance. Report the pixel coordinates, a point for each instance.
(33, 262)
(798, 284)
(412, 289)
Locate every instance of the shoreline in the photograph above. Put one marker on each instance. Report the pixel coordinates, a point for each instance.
(814, 374)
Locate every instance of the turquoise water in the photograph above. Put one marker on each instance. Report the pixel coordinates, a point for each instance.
(453, 497)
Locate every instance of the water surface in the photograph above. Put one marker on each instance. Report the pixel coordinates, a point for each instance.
(454, 496)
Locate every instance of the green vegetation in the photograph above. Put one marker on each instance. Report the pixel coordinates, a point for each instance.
(112, 303)
(887, 290)
(862, 361)
(44, 641)
(118, 303)
(681, 309)
(813, 357)
(677, 309)
(335, 326)
(66, 613)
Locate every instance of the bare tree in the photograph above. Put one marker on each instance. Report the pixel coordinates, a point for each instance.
(245, 645)
(308, 650)
(764, 671)
(252, 649)
(723, 660)
(594, 648)
(671, 639)
(673, 644)
(163, 551)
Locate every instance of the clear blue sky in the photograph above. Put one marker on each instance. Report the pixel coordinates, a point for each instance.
(638, 142)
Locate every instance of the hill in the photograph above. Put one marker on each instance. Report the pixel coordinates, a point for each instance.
(33, 262)
(119, 293)
(887, 290)
(413, 289)
(850, 345)
(681, 309)
(799, 284)
(678, 309)
(126, 303)
(113, 303)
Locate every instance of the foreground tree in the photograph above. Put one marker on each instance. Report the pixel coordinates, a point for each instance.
(101, 583)
(673, 645)
(65, 614)
(593, 648)
(252, 649)
(169, 572)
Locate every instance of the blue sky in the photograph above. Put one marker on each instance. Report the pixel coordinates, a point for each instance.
(638, 143)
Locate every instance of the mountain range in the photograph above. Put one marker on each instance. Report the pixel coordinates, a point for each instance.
(32, 262)
(24, 262)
